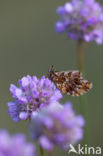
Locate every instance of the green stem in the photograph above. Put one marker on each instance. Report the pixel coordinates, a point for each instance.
(83, 100)
(41, 151)
(50, 153)
(80, 56)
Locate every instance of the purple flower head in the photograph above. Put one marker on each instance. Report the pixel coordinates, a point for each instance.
(57, 125)
(31, 96)
(15, 145)
(81, 20)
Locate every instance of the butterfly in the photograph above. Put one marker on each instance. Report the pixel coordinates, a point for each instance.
(69, 82)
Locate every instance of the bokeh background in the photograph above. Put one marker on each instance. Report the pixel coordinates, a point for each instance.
(30, 45)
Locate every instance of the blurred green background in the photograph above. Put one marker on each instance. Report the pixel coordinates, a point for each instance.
(30, 45)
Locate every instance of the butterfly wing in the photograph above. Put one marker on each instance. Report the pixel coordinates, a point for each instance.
(71, 82)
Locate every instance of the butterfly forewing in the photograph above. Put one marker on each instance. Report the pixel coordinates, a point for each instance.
(70, 82)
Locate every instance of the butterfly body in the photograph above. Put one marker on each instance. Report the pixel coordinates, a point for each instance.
(70, 82)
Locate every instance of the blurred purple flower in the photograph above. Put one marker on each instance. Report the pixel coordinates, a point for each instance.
(57, 125)
(31, 95)
(15, 145)
(81, 19)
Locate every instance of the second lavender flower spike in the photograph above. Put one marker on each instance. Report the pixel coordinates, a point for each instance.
(81, 20)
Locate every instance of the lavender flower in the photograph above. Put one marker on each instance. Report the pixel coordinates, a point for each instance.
(15, 145)
(81, 20)
(31, 95)
(57, 125)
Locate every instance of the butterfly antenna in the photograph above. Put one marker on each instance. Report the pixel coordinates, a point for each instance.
(51, 70)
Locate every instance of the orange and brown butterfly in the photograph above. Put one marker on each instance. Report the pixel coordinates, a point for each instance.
(69, 82)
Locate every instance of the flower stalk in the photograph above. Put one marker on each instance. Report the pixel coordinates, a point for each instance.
(80, 56)
(50, 153)
(83, 99)
(41, 151)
